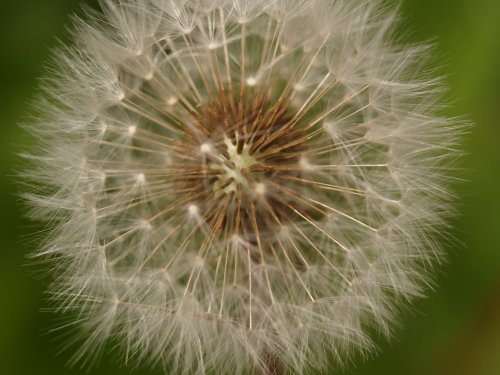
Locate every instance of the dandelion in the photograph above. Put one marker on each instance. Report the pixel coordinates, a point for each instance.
(236, 185)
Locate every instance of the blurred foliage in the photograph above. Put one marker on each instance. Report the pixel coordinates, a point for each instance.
(456, 330)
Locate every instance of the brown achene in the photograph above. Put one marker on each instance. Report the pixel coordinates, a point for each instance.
(245, 149)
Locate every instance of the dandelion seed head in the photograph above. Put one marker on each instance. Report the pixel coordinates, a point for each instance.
(239, 185)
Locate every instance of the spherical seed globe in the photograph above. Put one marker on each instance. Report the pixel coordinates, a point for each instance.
(236, 185)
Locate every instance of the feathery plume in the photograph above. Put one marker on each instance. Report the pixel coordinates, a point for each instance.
(239, 185)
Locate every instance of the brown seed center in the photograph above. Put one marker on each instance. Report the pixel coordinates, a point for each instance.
(244, 149)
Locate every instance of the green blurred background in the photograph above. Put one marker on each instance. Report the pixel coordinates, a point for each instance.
(456, 330)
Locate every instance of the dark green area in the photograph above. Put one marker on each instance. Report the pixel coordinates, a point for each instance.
(456, 330)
